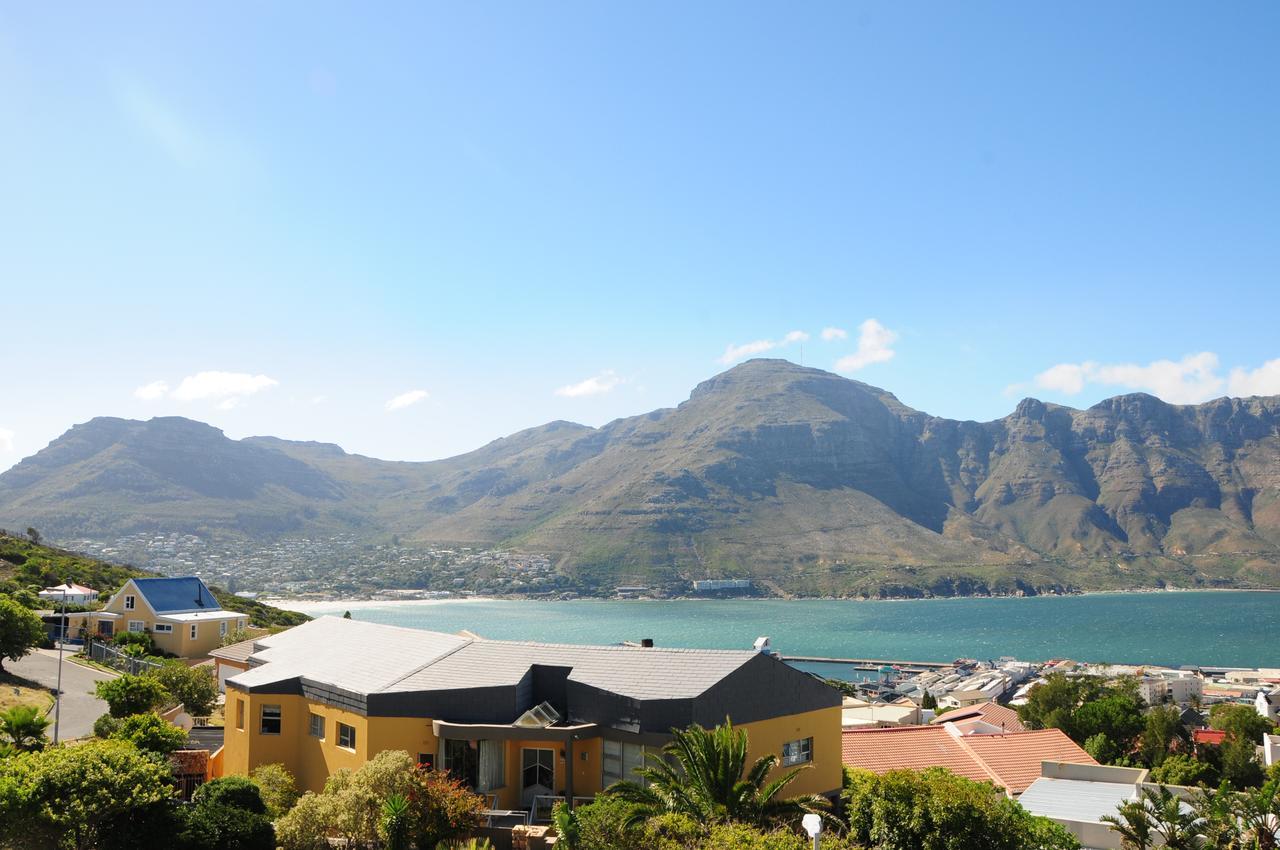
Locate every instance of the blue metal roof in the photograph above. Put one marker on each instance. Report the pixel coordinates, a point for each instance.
(176, 595)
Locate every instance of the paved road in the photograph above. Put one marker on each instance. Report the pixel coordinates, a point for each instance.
(79, 706)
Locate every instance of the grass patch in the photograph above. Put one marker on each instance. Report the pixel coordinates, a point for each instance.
(15, 691)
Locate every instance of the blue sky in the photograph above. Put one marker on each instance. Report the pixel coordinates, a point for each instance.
(418, 228)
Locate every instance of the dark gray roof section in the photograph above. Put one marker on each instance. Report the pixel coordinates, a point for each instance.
(391, 671)
(176, 595)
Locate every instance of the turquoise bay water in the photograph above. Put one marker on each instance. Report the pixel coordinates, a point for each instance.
(1212, 628)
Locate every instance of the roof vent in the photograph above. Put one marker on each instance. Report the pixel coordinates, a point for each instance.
(647, 643)
(762, 644)
(540, 716)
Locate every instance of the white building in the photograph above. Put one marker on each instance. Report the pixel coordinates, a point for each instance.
(70, 592)
(1267, 705)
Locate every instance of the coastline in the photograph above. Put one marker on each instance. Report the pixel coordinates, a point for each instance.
(308, 606)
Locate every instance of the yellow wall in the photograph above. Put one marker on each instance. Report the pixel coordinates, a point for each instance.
(826, 773)
(312, 760)
(178, 642)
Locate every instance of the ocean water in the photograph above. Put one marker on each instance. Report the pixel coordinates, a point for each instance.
(1229, 628)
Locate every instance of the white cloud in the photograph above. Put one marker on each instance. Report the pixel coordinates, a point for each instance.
(406, 399)
(734, 353)
(221, 385)
(1265, 380)
(151, 391)
(874, 346)
(832, 334)
(6, 440)
(319, 399)
(1192, 379)
(595, 385)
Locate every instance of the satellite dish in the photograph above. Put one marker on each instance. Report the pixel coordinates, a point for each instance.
(183, 721)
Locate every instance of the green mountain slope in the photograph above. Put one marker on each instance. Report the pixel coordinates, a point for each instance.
(809, 480)
(26, 566)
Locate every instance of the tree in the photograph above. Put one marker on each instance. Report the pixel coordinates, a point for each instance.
(936, 810)
(928, 701)
(1241, 721)
(194, 687)
(33, 535)
(228, 813)
(22, 727)
(278, 788)
(346, 615)
(706, 776)
(20, 630)
(1238, 753)
(73, 795)
(126, 695)
(444, 809)
(1177, 825)
(1162, 728)
(1116, 715)
(1132, 822)
(149, 733)
(1182, 769)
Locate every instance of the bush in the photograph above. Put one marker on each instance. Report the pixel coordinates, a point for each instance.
(279, 791)
(1182, 769)
(234, 791)
(142, 640)
(20, 630)
(212, 826)
(444, 809)
(128, 695)
(105, 725)
(148, 732)
(195, 687)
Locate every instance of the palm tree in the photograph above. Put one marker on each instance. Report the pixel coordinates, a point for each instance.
(1133, 823)
(23, 727)
(1221, 822)
(1176, 823)
(705, 775)
(1259, 814)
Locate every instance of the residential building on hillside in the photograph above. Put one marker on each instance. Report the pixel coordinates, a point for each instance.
(230, 660)
(181, 614)
(857, 712)
(513, 720)
(69, 592)
(987, 718)
(1011, 761)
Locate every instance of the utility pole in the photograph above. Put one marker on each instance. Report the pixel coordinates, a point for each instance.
(62, 636)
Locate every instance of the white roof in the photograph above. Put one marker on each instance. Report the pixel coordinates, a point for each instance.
(69, 587)
(1076, 799)
(201, 616)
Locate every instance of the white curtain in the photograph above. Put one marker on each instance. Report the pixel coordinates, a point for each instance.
(492, 765)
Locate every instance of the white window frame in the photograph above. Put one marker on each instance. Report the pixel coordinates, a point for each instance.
(194, 631)
(523, 767)
(141, 626)
(222, 629)
(351, 745)
(163, 628)
(262, 719)
(311, 725)
(129, 601)
(802, 752)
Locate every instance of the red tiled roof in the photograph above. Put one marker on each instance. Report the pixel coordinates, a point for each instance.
(989, 712)
(1016, 758)
(1208, 736)
(1011, 761)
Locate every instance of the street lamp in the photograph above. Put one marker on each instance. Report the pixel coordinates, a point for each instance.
(62, 637)
(813, 825)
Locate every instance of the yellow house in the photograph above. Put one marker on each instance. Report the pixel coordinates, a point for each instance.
(513, 720)
(181, 614)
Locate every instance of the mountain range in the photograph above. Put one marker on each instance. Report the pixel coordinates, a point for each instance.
(809, 482)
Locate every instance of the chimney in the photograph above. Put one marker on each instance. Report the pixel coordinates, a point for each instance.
(647, 643)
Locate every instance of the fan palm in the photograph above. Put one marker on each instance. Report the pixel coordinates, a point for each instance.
(1220, 820)
(23, 726)
(705, 775)
(1132, 822)
(1259, 813)
(1176, 823)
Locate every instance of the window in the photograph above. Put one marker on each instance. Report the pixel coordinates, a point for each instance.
(128, 603)
(462, 761)
(797, 752)
(222, 629)
(317, 726)
(137, 626)
(346, 736)
(619, 761)
(193, 631)
(163, 628)
(493, 765)
(538, 770)
(427, 761)
(270, 720)
(240, 714)
(240, 624)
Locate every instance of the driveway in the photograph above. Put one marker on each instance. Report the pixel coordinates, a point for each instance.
(79, 706)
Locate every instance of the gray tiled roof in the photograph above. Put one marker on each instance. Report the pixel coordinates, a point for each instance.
(371, 658)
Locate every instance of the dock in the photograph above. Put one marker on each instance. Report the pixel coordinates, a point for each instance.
(873, 665)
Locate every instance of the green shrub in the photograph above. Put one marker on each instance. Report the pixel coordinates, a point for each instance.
(195, 687)
(128, 695)
(212, 826)
(279, 790)
(150, 733)
(105, 725)
(234, 791)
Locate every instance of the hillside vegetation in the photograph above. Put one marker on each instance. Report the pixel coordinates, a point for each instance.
(800, 478)
(26, 566)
